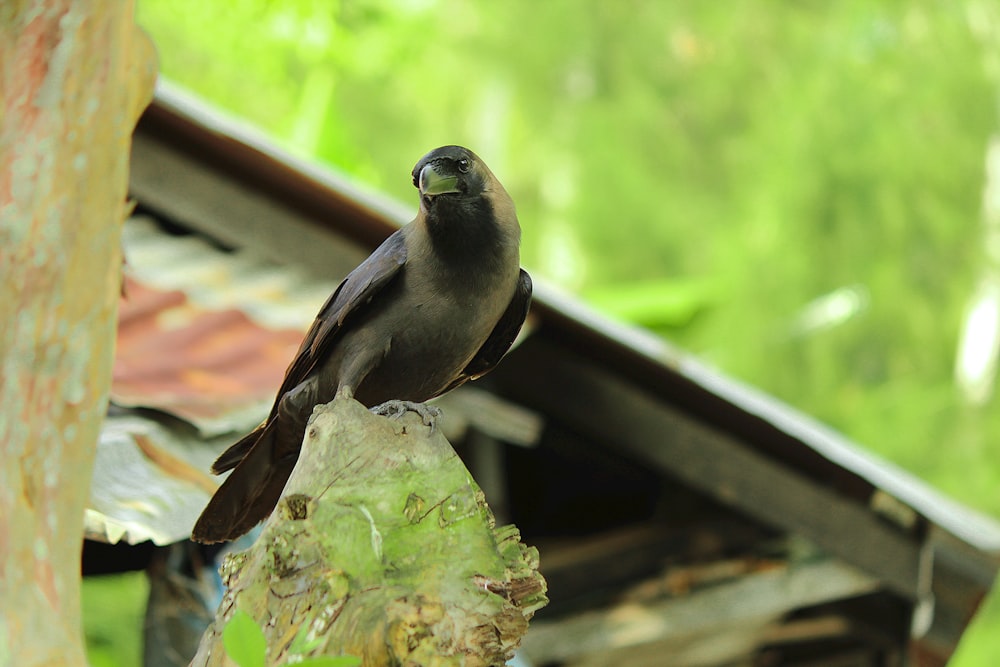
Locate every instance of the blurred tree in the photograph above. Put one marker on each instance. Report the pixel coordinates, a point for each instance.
(75, 77)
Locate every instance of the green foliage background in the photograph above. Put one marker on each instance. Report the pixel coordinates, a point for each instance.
(791, 190)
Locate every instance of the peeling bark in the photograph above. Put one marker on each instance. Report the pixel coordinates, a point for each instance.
(381, 547)
(74, 77)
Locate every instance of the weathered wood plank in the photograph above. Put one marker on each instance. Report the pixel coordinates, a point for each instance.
(597, 402)
(195, 194)
(695, 624)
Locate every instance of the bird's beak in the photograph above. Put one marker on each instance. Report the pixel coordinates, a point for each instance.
(433, 183)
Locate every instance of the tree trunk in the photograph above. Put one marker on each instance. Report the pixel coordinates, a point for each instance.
(381, 547)
(74, 77)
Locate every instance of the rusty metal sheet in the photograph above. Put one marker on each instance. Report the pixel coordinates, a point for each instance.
(205, 334)
(204, 337)
(214, 369)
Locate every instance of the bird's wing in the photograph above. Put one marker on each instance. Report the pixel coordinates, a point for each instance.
(502, 336)
(356, 291)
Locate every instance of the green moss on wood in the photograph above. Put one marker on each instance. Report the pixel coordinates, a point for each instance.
(383, 547)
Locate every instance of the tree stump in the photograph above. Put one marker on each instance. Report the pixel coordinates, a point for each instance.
(382, 547)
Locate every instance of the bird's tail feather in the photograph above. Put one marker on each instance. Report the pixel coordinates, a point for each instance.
(249, 494)
(231, 458)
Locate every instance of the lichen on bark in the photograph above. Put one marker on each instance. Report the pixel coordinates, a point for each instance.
(74, 77)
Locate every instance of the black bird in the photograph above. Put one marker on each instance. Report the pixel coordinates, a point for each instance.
(436, 305)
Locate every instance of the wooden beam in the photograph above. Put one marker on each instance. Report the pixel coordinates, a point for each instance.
(629, 562)
(203, 198)
(596, 401)
(696, 624)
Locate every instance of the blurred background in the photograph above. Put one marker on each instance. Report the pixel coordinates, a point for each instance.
(804, 194)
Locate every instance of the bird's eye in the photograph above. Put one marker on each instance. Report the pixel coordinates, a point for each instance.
(463, 165)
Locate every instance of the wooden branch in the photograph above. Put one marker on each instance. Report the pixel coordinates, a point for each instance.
(381, 547)
(75, 76)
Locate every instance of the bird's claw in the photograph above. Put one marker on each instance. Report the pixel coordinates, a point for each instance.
(396, 409)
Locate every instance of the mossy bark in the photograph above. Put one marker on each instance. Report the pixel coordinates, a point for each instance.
(382, 547)
(74, 77)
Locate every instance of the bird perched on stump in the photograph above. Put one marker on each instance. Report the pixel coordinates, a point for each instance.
(437, 304)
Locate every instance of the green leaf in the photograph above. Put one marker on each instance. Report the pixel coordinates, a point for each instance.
(331, 661)
(243, 640)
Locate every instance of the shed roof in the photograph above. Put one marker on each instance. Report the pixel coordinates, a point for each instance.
(204, 172)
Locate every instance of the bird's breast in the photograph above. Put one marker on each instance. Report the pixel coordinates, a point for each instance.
(435, 331)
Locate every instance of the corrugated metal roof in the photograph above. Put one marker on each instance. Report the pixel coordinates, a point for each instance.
(203, 334)
(150, 480)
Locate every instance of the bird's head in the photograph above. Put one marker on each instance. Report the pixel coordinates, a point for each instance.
(452, 172)
(462, 202)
